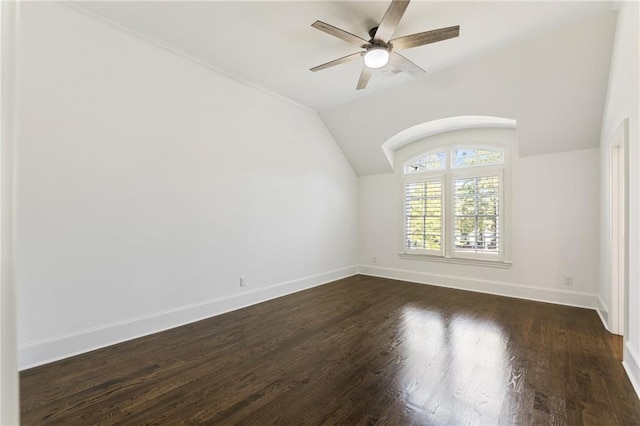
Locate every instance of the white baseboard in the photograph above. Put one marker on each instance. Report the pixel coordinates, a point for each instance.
(560, 297)
(631, 364)
(32, 354)
(603, 313)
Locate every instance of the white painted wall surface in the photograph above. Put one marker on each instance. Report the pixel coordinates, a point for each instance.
(554, 222)
(148, 184)
(622, 102)
(9, 380)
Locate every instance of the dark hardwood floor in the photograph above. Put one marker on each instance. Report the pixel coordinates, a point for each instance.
(361, 350)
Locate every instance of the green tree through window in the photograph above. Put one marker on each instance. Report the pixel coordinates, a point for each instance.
(423, 215)
(477, 213)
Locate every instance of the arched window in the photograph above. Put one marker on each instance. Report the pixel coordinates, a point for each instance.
(454, 201)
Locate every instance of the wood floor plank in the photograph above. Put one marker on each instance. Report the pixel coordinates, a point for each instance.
(362, 350)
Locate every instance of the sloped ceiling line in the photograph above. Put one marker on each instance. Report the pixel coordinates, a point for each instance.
(443, 125)
(158, 42)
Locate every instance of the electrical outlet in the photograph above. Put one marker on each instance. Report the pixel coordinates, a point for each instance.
(567, 280)
(243, 281)
(375, 259)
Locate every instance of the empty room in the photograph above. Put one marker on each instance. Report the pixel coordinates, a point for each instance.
(320, 212)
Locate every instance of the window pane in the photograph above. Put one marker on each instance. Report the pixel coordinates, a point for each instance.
(423, 215)
(468, 157)
(476, 214)
(426, 163)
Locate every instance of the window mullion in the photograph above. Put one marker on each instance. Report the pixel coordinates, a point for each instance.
(424, 215)
(476, 201)
(447, 215)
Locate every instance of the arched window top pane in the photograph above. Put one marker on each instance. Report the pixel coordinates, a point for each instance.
(426, 163)
(470, 156)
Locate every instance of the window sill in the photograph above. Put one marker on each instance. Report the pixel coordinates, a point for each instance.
(457, 260)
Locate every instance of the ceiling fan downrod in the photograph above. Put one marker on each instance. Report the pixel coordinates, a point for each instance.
(372, 32)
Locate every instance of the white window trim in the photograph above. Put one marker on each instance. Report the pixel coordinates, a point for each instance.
(502, 264)
(446, 255)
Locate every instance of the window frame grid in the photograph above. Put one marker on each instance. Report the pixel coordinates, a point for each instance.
(448, 176)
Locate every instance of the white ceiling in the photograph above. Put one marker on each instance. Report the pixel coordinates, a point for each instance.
(554, 86)
(272, 45)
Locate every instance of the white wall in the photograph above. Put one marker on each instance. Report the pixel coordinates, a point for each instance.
(622, 102)
(9, 381)
(148, 184)
(554, 222)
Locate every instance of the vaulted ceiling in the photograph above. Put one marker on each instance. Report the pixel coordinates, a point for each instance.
(544, 64)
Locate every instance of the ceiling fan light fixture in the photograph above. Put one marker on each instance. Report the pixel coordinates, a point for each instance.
(376, 57)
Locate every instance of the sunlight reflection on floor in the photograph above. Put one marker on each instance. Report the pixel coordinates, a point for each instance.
(468, 357)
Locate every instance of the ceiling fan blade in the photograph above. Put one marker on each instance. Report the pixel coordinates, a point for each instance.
(391, 20)
(337, 61)
(420, 39)
(341, 34)
(365, 75)
(405, 65)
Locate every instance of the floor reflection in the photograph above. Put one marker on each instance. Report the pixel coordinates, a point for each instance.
(453, 365)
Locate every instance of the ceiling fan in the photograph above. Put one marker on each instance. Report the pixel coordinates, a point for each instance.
(380, 49)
